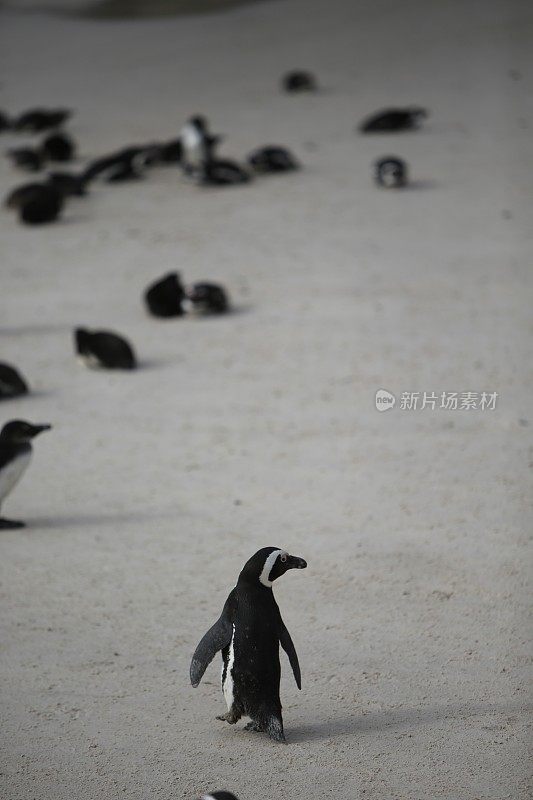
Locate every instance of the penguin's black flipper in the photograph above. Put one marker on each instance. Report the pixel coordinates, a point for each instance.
(288, 646)
(217, 637)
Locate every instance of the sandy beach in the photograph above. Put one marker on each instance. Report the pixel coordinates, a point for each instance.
(260, 428)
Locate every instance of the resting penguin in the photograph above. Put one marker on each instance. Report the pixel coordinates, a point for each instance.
(12, 384)
(103, 349)
(164, 297)
(27, 158)
(272, 159)
(392, 120)
(58, 147)
(249, 632)
(390, 172)
(15, 455)
(299, 81)
(69, 185)
(41, 119)
(207, 298)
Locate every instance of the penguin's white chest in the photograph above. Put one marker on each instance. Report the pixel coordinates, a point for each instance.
(12, 473)
(192, 142)
(227, 684)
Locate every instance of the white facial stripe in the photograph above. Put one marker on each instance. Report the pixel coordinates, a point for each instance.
(267, 569)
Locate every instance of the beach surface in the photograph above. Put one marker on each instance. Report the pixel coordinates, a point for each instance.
(260, 428)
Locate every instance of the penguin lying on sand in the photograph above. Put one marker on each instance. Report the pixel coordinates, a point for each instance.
(37, 120)
(164, 298)
(390, 172)
(58, 147)
(124, 165)
(68, 184)
(249, 632)
(392, 120)
(27, 158)
(104, 349)
(207, 298)
(272, 159)
(218, 172)
(36, 203)
(15, 456)
(12, 384)
(299, 81)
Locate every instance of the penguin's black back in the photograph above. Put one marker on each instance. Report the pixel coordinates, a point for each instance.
(41, 207)
(393, 120)
(12, 384)
(164, 297)
(109, 349)
(58, 147)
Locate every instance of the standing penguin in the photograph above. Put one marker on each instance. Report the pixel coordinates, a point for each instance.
(197, 144)
(249, 632)
(15, 455)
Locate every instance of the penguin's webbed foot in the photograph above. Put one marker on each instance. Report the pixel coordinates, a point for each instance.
(230, 717)
(10, 524)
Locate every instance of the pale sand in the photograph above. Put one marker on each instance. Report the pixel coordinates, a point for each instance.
(153, 488)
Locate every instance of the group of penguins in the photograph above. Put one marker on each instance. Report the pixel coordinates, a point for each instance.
(250, 629)
(194, 150)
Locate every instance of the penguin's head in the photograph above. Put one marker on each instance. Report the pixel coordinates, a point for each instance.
(19, 432)
(199, 122)
(268, 564)
(220, 795)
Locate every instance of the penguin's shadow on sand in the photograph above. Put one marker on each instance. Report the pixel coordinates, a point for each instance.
(421, 185)
(379, 722)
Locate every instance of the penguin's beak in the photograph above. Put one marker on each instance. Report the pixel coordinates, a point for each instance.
(37, 429)
(294, 562)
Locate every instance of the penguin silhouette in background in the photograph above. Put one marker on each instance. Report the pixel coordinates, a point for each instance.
(394, 120)
(37, 120)
(249, 632)
(27, 158)
(164, 298)
(15, 456)
(58, 147)
(272, 159)
(12, 384)
(104, 349)
(390, 172)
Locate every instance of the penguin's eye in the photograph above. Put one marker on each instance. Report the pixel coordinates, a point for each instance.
(283, 557)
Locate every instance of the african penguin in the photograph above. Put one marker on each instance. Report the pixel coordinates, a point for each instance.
(12, 384)
(103, 349)
(15, 455)
(197, 144)
(207, 298)
(68, 184)
(218, 172)
(27, 158)
(390, 172)
(41, 206)
(391, 120)
(124, 165)
(40, 119)
(219, 795)
(36, 203)
(249, 632)
(58, 147)
(164, 298)
(272, 159)
(298, 81)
